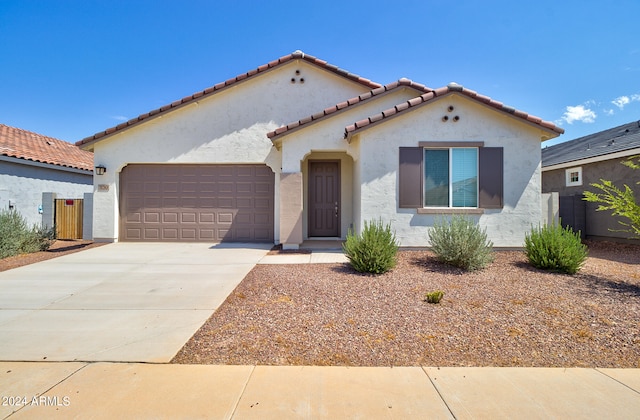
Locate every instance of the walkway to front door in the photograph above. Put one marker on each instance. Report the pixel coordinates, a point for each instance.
(324, 198)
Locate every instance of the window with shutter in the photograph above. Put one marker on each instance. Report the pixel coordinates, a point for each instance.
(451, 177)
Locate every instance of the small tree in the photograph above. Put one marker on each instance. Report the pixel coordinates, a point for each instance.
(621, 201)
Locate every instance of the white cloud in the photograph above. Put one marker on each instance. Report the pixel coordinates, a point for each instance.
(609, 112)
(621, 101)
(578, 113)
(625, 100)
(119, 118)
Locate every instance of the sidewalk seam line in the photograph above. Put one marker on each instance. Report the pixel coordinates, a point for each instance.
(438, 391)
(51, 387)
(244, 388)
(616, 380)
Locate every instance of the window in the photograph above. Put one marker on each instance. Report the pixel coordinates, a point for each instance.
(574, 177)
(441, 177)
(451, 177)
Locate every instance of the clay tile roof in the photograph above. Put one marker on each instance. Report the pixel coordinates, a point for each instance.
(23, 144)
(348, 103)
(297, 55)
(452, 87)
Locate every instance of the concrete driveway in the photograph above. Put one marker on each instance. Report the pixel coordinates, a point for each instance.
(132, 302)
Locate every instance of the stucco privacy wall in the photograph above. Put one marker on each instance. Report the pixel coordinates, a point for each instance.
(227, 127)
(379, 161)
(23, 182)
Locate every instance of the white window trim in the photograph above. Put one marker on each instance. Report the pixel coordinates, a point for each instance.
(568, 181)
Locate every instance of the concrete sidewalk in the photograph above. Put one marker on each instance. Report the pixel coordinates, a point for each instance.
(118, 390)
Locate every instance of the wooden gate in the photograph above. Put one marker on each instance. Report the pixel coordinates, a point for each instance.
(68, 218)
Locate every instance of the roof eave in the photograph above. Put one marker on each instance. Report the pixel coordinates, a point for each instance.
(86, 143)
(592, 159)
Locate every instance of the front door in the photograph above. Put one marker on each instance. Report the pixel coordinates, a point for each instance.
(324, 198)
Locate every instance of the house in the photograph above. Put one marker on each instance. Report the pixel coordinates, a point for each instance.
(35, 169)
(299, 148)
(570, 167)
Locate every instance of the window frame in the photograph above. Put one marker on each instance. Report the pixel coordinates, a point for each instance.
(568, 172)
(410, 178)
(450, 186)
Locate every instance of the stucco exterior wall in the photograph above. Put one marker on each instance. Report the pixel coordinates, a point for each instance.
(227, 127)
(598, 223)
(325, 140)
(379, 161)
(23, 183)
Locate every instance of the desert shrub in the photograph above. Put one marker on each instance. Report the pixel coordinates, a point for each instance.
(434, 297)
(461, 243)
(374, 250)
(17, 238)
(555, 248)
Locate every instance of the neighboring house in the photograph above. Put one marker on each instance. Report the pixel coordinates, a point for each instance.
(299, 148)
(570, 167)
(32, 164)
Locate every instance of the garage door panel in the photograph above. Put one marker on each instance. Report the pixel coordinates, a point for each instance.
(150, 233)
(225, 217)
(185, 202)
(151, 217)
(169, 217)
(207, 218)
(189, 217)
(226, 202)
(152, 202)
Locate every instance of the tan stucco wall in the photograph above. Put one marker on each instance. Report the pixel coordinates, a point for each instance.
(378, 166)
(227, 127)
(291, 209)
(325, 140)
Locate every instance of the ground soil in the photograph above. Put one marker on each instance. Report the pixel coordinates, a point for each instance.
(509, 314)
(57, 249)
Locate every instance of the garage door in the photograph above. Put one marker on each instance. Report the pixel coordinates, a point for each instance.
(196, 203)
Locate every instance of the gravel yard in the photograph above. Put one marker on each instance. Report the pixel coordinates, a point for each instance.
(57, 249)
(509, 314)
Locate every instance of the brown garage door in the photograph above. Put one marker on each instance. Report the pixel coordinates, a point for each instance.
(180, 202)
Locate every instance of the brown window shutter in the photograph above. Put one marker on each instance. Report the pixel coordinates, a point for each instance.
(491, 178)
(410, 177)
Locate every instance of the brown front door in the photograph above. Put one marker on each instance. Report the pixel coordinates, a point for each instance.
(324, 198)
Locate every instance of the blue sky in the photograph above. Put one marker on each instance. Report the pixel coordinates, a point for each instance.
(69, 69)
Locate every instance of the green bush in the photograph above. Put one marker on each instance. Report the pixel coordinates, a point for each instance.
(555, 248)
(374, 250)
(434, 297)
(17, 238)
(461, 243)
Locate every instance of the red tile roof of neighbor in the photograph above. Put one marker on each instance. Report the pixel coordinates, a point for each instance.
(297, 55)
(346, 104)
(23, 144)
(450, 88)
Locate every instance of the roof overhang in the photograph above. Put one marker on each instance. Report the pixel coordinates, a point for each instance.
(594, 159)
(88, 142)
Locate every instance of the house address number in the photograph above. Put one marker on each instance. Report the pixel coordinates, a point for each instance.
(103, 187)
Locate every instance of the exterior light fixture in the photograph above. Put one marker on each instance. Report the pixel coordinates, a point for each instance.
(100, 170)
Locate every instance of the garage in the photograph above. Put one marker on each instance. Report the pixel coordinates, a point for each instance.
(196, 202)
